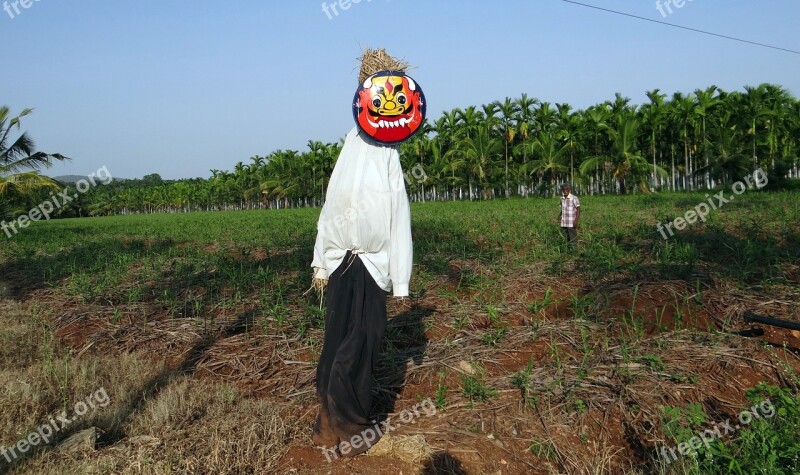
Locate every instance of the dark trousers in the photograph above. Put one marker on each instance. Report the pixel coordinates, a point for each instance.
(354, 326)
(572, 235)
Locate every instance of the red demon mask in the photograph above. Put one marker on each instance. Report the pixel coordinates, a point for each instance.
(389, 107)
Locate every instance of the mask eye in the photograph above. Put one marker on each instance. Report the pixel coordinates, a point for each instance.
(401, 99)
(377, 102)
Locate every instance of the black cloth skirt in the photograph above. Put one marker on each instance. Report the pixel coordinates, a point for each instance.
(355, 323)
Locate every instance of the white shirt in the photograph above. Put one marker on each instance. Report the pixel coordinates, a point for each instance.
(366, 211)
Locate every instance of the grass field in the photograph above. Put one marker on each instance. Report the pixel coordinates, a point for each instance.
(539, 359)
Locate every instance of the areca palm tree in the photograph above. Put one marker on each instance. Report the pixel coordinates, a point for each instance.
(568, 131)
(620, 105)
(752, 104)
(507, 111)
(595, 121)
(791, 140)
(469, 119)
(706, 100)
(487, 147)
(256, 174)
(283, 183)
(442, 169)
(447, 126)
(654, 115)
(626, 160)
(682, 112)
(525, 107)
(479, 154)
(548, 163)
(20, 162)
(729, 155)
(412, 152)
(778, 106)
(319, 157)
(544, 117)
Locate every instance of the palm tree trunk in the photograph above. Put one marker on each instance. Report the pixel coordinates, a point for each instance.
(571, 168)
(685, 165)
(672, 153)
(653, 148)
(755, 157)
(506, 168)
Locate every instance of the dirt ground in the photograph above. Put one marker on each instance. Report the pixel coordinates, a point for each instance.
(576, 383)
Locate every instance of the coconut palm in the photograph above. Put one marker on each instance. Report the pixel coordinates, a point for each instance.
(20, 162)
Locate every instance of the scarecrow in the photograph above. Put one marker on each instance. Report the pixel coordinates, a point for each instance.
(363, 249)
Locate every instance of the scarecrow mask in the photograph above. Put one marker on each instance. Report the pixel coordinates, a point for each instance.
(389, 107)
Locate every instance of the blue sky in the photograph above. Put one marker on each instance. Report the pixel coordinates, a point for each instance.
(178, 87)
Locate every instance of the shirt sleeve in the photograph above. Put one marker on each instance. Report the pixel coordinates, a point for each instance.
(318, 262)
(577, 202)
(400, 250)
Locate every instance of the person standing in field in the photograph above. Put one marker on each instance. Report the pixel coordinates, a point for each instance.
(363, 251)
(570, 212)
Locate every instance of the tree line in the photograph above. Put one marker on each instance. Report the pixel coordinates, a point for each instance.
(519, 147)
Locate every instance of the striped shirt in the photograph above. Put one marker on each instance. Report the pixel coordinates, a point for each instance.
(569, 208)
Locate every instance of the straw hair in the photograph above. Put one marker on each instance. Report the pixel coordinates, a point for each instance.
(375, 60)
